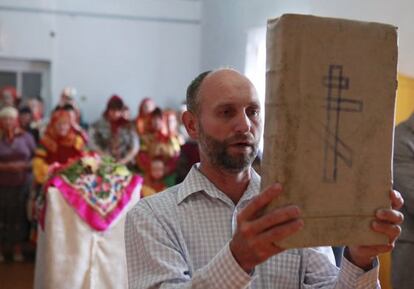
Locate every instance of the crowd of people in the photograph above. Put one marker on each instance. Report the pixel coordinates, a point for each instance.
(31, 145)
(206, 232)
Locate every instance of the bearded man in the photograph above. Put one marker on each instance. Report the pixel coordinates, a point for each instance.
(207, 232)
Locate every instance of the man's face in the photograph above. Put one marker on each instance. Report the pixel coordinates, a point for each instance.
(229, 121)
(234, 153)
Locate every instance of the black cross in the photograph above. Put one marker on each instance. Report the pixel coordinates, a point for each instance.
(335, 147)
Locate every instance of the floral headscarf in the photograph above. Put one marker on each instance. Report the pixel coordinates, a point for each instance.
(51, 138)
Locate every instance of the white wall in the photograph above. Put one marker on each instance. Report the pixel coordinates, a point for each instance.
(134, 48)
(140, 48)
(398, 13)
(226, 23)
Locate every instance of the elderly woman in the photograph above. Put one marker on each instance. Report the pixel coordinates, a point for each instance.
(16, 150)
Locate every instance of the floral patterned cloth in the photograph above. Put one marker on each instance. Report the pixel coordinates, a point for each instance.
(97, 188)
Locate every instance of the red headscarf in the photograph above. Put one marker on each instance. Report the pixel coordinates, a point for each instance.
(172, 131)
(51, 138)
(160, 132)
(115, 103)
(144, 117)
(11, 91)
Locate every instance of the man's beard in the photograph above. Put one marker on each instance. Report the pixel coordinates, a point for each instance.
(218, 154)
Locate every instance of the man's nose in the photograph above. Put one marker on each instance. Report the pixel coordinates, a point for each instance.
(243, 123)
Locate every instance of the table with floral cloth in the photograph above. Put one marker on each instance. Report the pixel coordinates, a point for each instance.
(81, 225)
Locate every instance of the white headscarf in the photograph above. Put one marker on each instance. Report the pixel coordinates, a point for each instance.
(9, 111)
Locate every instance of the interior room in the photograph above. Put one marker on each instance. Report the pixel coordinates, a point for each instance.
(92, 57)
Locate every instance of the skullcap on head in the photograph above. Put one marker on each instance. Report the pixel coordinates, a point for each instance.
(8, 111)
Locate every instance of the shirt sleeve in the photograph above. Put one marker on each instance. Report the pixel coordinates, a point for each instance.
(155, 260)
(321, 273)
(351, 276)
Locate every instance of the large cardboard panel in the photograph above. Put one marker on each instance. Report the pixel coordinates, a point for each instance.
(330, 96)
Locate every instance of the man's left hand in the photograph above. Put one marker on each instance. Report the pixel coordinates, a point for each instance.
(387, 222)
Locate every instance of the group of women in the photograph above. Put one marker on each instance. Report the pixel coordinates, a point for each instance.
(149, 144)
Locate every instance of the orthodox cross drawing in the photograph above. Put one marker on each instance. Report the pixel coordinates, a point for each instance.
(335, 148)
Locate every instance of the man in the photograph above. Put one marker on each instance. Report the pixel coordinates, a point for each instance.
(207, 232)
(402, 256)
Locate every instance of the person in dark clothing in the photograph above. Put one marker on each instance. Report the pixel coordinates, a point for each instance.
(26, 122)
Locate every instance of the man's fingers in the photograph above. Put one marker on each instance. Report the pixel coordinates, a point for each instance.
(397, 200)
(390, 216)
(392, 231)
(280, 232)
(259, 202)
(375, 250)
(275, 217)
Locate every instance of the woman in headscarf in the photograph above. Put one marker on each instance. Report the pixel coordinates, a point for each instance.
(142, 123)
(171, 121)
(63, 140)
(16, 151)
(158, 142)
(114, 135)
(9, 96)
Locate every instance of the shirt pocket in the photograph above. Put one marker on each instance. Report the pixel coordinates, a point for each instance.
(282, 271)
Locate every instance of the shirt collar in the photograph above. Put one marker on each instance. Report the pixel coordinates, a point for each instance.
(196, 182)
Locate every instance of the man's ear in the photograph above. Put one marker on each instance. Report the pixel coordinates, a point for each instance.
(190, 123)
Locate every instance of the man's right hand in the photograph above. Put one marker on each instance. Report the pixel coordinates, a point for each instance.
(256, 235)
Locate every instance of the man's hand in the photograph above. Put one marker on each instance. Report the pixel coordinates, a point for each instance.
(255, 236)
(387, 222)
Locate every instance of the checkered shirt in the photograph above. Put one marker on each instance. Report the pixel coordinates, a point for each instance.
(180, 239)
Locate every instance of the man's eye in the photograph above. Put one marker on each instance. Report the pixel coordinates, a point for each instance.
(226, 112)
(254, 112)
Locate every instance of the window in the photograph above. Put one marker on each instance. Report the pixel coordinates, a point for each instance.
(31, 78)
